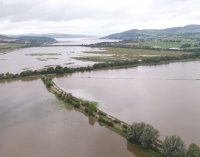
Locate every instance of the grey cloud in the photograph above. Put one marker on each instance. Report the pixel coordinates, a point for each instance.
(48, 10)
(94, 16)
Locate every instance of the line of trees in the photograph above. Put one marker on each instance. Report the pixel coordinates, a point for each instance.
(62, 70)
(49, 70)
(173, 146)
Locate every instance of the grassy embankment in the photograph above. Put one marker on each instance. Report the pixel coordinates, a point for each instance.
(91, 109)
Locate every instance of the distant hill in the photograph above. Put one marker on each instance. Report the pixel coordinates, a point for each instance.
(38, 39)
(54, 35)
(186, 31)
(3, 37)
(34, 40)
(58, 35)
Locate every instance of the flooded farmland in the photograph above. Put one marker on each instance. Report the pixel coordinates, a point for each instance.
(166, 96)
(41, 57)
(34, 123)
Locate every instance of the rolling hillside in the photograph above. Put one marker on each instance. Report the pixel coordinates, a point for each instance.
(188, 31)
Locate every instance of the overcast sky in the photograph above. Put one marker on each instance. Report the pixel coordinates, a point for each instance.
(94, 17)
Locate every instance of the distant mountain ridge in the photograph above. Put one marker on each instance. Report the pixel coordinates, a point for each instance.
(27, 39)
(53, 35)
(31, 39)
(3, 37)
(60, 35)
(38, 39)
(185, 31)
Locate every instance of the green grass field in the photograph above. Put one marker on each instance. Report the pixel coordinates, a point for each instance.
(164, 44)
(4, 48)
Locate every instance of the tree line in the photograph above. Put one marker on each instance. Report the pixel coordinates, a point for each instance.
(147, 137)
(112, 64)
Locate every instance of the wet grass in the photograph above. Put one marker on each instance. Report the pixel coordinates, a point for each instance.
(165, 44)
(116, 54)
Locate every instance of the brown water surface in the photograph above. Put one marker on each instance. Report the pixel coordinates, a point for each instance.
(35, 58)
(33, 123)
(166, 96)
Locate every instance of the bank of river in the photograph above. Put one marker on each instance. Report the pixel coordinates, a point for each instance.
(165, 96)
(34, 123)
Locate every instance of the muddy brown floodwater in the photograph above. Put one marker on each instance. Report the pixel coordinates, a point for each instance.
(33, 123)
(166, 96)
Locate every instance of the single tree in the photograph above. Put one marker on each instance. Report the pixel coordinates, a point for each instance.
(92, 107)
(143, 134)
(173, 146)
(193, 150)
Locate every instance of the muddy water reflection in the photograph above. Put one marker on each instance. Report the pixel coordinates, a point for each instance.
(166, 96)
(34, 123)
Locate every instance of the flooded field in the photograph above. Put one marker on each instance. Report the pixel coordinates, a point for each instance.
(34, 123)
(166, 96)
(40, 57)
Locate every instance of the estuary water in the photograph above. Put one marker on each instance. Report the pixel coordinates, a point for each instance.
(35, 58)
